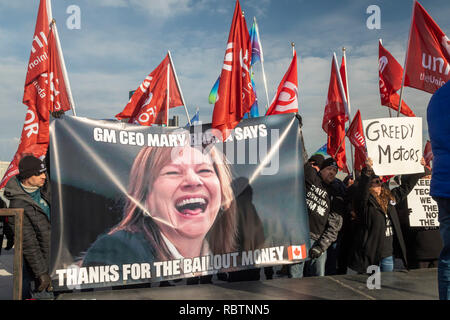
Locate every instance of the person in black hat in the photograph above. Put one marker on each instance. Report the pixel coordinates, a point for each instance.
(30, 190)
(324, 221)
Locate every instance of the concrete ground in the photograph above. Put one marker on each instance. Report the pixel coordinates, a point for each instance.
(6, 273)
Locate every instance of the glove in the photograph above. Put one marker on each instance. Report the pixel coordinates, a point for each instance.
(315, 252)
(45, 283)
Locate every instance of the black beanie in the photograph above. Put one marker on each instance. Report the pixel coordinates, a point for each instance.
(317, 159)
(30, 166)
(329, 162)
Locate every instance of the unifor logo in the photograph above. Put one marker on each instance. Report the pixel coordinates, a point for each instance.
(382, 63)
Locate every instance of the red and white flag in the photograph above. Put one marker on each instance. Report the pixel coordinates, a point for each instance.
(343, 73)
(148, 105)
(35, 133)
(335, 116)
(235, 94)
(297, 252)
(428, 54)
(390, 73)
(355, 133)
(286, 99)
(428, 153)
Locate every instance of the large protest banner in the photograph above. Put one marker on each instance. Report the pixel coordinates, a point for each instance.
(134, 204)
(394, 144)
(423, 209)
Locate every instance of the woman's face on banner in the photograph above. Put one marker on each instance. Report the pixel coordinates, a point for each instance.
(186, 195)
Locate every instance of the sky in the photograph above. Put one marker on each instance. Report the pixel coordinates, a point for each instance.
(119, 42)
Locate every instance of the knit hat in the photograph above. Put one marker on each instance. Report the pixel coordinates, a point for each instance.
(329, 162)
(317, 159)
(30, 166)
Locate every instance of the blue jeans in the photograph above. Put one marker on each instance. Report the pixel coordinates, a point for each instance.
(310, 268)
(387, 264)
(444, 258)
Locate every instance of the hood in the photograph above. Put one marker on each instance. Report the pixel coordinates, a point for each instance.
(13, 190)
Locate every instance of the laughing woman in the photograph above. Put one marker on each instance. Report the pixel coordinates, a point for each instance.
(179, 204)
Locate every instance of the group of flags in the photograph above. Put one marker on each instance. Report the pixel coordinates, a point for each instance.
(427, 68)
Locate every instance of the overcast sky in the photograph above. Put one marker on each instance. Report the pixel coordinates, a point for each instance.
(121, 41)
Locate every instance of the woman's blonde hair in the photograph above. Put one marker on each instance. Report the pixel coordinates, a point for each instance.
(146, 167)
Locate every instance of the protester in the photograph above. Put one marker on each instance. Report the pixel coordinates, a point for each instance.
(324, 220)
(30, 190)
(438, 117)
(378, 234)
(180, 205)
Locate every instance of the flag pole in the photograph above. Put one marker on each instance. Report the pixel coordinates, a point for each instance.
(406, 59)
(179, 88)
(348, 103)
(262, 64)
(168, 94)
(61, 56)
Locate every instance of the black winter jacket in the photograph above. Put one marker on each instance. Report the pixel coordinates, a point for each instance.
(36, 225)
(371, 225)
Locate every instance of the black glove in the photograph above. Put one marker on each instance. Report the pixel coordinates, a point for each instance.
(45, 283)
(315, 252)
(57, 114)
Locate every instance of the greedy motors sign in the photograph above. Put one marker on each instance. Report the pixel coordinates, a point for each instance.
(394, 144)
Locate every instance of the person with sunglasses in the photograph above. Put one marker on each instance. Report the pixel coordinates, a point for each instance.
(378, 235)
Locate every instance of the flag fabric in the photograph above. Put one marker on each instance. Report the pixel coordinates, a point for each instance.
(213, 94)
(254, 110)
(335, 116)
(343, 74)
(390, 80)
(235, 93)
(148, 105)
(428, 54)
(195, 118)
(297, 252)
(257, 54)
(286, 98)
(59, 96)
(355, 133)
(323, 151)
(35, 133)
(428, 154)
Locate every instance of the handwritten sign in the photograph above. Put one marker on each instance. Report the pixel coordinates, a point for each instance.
(394, 144)
(423, 209)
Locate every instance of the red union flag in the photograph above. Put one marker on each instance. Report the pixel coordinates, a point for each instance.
(35, 133)
(235, 94)
(297, 252)
(286, 99)
(343, 74)
(355, 133)
(335, 116)
(59, 96)
(148, 105)
(390, 73)
(427, 65)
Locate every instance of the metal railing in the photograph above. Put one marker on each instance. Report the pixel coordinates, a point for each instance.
(18, 244)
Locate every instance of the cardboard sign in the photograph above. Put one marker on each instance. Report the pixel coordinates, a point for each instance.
(394, 145)
(423, 209)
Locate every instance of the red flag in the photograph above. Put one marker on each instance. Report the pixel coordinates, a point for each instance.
(35, 133)
(286, 99)
(235, 92)
(427, 65)
(355, 133)
(148, 105)
(343, 74)
(58, 90)
(335, 116)
(390, 73)
(428, 153)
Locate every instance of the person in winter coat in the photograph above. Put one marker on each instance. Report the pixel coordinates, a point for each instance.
(30, 190)
(378, 235)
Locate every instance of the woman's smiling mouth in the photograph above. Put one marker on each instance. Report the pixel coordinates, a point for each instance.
(191, 206)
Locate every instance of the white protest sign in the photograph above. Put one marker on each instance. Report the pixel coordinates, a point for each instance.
(394, 144)
(423, 209)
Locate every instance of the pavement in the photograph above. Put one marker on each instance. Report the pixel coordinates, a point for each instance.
(6, 273)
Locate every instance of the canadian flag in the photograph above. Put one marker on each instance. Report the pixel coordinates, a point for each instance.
(286, 99)
(148, 105)
(428, 54)
(297, 252)
(35, 133)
